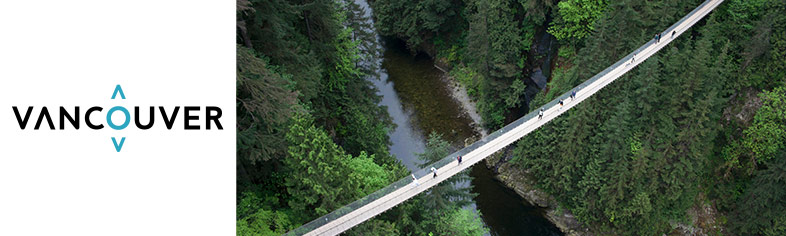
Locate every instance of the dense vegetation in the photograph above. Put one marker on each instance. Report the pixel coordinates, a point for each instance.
(310, 135)
(631, 160)
(670, 135)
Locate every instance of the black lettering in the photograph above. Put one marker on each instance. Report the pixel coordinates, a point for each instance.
(74, 120)
(188, 118)
(149, 124)
(22, 122)
(167, 121)
(44, 114)
(213, 118)
(87, 118)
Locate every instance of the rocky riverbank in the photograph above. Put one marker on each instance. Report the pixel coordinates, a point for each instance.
(523, 184)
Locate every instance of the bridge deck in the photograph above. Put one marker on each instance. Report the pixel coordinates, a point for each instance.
(404, 189)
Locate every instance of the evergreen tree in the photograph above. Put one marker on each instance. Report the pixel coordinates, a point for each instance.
(449, 193)
(576, 18)
(416, 22)
(505, 40)
(462, 222)
(273, 29)
(264, 104)
(322, 176)
(760, 211)
(537, 10)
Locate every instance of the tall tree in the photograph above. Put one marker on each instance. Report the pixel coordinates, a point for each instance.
(264, 105)
(449, 193)
(322, 177)
(760, 211)
(576, 18)
(418, 22)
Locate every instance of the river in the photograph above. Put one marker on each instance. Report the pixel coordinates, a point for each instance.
(420, 102)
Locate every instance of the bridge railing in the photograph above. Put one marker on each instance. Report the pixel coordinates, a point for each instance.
(316, 223)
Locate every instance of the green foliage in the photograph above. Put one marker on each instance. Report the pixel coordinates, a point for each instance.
(567, 51)
(374, 227)
(417, 22)
(761, 210)
(767, 135)
(452, 55)
(256, 217)
(478, 46)
(576, 18)
(364, 35)
(777, 228)
(468, 78)
(307, 57)
(462, 222)
(274, 28)
(318, 169)
(447, 194)
(514, 96)
(264, 104)
(563, 79)
(322, 177)
(764, 137)
(535, 11)
(368, 175)
(635, 145)
(264, 222)
(499, 34)
(439, 211)
(503, 37)
(308, 39)
(626, 161)
(745, 12)
(758, 38)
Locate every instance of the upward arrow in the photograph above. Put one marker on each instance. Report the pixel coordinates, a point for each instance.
(120, 90)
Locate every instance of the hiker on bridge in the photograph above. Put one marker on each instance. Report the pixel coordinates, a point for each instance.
(415, 180)
(459, 159)
(540, 114)
(560, 104)
(573, 95)
(434, 170)
(672, 33)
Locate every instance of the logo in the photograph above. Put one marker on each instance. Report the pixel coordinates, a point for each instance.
(93, 119)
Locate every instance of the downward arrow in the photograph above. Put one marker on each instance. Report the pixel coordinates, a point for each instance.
(118, 146)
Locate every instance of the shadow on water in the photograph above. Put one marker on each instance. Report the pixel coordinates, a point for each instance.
(420, 103)
(504, 211)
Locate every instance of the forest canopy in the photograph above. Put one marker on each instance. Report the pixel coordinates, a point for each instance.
(701, 123)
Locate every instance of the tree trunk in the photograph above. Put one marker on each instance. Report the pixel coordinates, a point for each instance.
(241, 29)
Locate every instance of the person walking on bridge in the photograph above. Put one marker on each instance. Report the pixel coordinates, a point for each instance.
(415, 180)
(459, 159)
(573, 95)
(434, 170)
(540, 114)
(560, 104)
